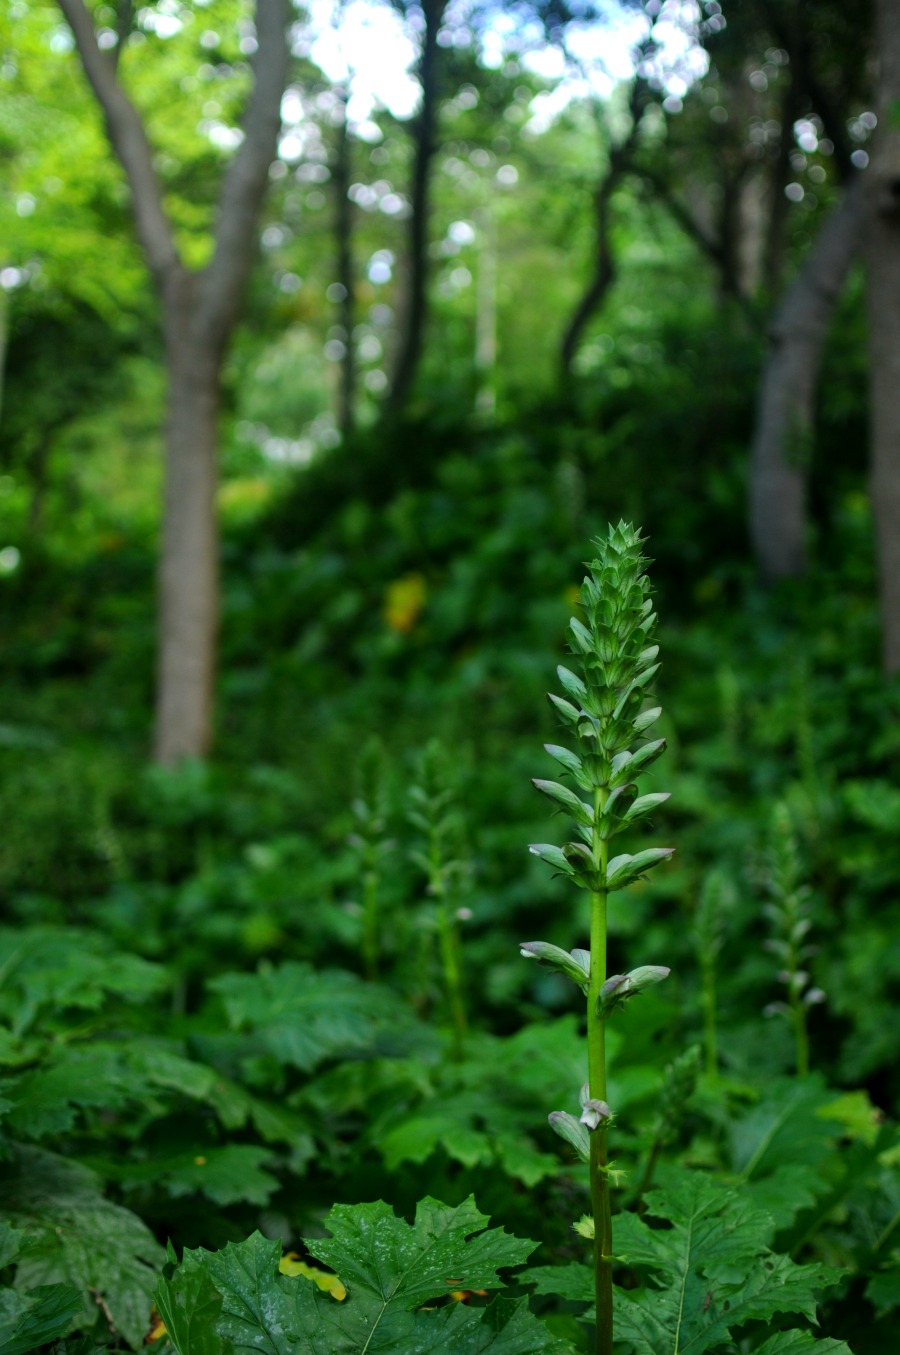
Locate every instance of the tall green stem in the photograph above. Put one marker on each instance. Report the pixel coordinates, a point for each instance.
(450, 962)
(801, 1038)
(790, 943)
(604, 710)
(709, 1017)
(370, 921)
(596, 1036)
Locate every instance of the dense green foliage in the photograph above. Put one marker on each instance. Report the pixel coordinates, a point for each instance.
(264, 1022)
(201, 1056)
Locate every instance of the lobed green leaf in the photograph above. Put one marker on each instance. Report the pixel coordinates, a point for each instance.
(235, 1301)
(77, 1237)
(302, 1016)
(375, 1250)
(802, 1343)
(712, 1270)
(31, 1318)
(190, 1305)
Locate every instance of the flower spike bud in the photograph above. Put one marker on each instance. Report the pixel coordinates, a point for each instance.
(604, 711)
(595, 1114)
(576, 966)
(620, 987)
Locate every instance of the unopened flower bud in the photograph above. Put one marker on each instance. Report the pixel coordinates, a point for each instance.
(595, 1114)
(616, 987)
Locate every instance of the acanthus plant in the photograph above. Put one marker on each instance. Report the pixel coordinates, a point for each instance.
(604, 713)
(788, 912)
(702, 1268)
(714, 905)
(371, 845)
(434, 812)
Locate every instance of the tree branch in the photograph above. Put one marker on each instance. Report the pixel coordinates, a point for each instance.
(795, 38)
(129, 140)
(424, 129)
(714, 247)
(222, 282)
(124, 25)
(682, 215)
(785, 414)
(604, 260)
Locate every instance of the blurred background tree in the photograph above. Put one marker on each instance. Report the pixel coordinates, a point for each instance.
(622, 232)
(200, 307)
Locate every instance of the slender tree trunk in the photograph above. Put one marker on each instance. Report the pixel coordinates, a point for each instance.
(344, 233)
(790, 25)
(604, 273)
(730, 236)
(189, 563)
(486, 312)
(776, 234)
(414, 310)
(604, 263)
(882, 250)
(39, 474)
(4, 338)
(785, 415)
(591, 301)
(715, 248)
(200, 310)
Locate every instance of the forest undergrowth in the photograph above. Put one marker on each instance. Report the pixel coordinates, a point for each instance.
(266, 1026)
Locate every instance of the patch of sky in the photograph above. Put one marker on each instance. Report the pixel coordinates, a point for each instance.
(370, 48)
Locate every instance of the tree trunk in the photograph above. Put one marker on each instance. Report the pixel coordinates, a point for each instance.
(882, 250)
(604, 260)
(189, 565)
(346, 402)
(413, 325)
(200, 311)
(776, 234)
(712, 245)
(786, 406)
(39, 472)
(4, 338)
(591, 301)
(486, 312)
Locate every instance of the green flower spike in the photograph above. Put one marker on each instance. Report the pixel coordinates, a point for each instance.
(605, 715)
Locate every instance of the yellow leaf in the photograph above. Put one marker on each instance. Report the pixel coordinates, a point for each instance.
(243, 498)
(290, 1264)
(157, 1329)
(404, 601)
